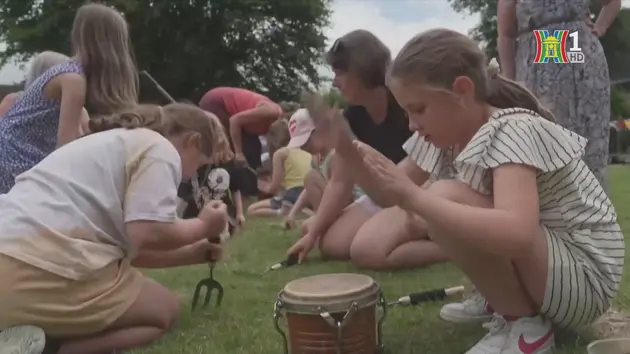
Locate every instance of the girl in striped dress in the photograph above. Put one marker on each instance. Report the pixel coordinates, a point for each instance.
(521, 215)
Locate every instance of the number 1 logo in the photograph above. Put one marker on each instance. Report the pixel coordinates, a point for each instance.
(554, 47)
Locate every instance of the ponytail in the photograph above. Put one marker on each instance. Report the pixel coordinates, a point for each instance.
(145, 116)
(506, 93)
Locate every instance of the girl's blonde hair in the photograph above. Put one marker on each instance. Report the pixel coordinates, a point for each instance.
(41, 63)
(170, 120)
(100, 40)
(437, 57)
(278, 136)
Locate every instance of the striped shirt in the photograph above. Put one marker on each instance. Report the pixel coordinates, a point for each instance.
(573, 205)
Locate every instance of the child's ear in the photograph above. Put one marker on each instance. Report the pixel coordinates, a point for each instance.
(194, 140)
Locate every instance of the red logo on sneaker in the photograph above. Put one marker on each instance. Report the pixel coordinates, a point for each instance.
(531, 348)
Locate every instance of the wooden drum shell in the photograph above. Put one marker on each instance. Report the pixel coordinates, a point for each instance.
(344, 324)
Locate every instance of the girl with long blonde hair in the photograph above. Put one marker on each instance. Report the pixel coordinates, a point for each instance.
(101, 77)
(513, 204)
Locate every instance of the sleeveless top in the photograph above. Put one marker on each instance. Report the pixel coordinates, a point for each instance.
(28, 131)
(296, 166)
(573, 205)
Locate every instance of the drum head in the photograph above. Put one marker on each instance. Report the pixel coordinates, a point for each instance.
(329, 288)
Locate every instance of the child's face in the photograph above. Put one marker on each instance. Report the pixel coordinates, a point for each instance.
(189, 148)
(434, 114)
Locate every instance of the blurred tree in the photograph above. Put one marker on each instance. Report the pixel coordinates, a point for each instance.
(272, 46)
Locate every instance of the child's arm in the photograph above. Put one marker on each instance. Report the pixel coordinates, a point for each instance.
(335, 197)
(262, 112)
(71, 89)
(150, 206)
(277, 172)
(238, 202)
(188, 255)
(300, 204)
(508, 228)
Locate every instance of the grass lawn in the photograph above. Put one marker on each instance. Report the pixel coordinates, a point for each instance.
(243, 324)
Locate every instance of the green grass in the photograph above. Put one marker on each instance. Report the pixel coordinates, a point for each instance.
(243, 324)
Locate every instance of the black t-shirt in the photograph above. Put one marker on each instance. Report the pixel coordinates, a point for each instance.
(219, 181)
(387, 137)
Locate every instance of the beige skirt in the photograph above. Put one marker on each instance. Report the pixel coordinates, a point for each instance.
(63, 307)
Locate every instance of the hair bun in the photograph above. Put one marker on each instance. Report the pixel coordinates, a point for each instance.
(130, 120)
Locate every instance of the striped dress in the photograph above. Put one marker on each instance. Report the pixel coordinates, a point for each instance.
(586, 246)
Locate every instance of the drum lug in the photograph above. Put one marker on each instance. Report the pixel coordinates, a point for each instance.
(339, 325)
(383, 304)
(277, 313)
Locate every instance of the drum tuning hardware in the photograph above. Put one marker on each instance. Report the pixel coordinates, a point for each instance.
(426, 296)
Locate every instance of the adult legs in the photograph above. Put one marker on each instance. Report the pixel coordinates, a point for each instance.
(153, 313)
(335, 244)
(392, 240)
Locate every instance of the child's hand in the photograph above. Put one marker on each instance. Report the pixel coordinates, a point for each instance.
(240, 220)
(214, 215)
(204, 251)
(289, 222)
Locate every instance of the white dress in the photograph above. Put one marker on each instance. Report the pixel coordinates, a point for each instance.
(585, 243)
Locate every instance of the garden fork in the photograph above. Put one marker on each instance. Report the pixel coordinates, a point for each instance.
(210, 284)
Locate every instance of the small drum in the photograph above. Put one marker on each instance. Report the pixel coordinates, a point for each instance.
(331, 314)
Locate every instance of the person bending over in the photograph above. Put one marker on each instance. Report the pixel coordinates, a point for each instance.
(246, 116)
(77, 225)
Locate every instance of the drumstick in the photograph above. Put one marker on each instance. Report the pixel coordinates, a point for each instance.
(426, 296)
(289, 262)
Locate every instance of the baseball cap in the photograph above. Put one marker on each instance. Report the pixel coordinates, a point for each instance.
(300, 128)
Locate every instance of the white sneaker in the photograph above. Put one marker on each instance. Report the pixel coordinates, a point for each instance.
(526, 335)
(473, 309)
(530, 335)
(22, 340)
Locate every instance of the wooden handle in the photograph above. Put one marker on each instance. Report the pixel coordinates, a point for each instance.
(159, 87)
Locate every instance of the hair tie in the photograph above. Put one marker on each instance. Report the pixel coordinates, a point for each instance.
(494, 69)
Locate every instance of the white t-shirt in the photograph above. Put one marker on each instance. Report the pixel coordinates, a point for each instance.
(67, 214)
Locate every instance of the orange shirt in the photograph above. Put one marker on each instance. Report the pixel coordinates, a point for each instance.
(235, 100)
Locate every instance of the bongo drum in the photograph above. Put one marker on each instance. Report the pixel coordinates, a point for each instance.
(331, 314)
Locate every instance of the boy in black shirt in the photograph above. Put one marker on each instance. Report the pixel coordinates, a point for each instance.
(216, 182)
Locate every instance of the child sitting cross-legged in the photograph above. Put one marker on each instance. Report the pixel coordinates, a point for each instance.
(288, 170)
(75, 227)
